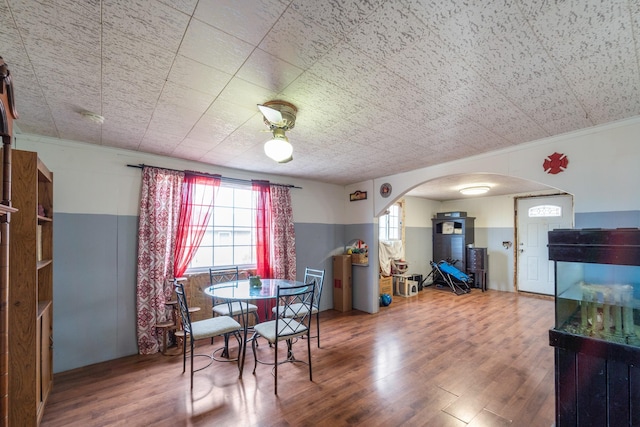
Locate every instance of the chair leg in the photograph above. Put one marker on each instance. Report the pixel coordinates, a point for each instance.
(254, 339)
(290, 350)
(184, 352)
(238, 338)
(309, 356)
(225, 349)
(212, 338)
(240, 349)
(275, 380)
(318, 327)
(191, 341)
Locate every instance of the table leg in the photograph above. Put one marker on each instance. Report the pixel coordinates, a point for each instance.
(245, 327)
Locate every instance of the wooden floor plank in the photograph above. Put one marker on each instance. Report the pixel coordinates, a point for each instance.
(434, 359)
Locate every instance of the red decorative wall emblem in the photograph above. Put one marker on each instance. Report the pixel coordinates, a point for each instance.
(555, 163)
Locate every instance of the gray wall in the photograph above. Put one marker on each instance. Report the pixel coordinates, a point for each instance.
(94, 294)
(315, 246)
(95, 274)
(95, 283)
(608, 219)
(418, 249)
(364, 279)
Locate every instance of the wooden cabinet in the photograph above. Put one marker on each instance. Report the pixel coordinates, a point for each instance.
(30, 290)
(342, 288)
(386, 285)
(451, 235)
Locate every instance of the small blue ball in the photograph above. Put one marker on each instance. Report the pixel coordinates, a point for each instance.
(385, 300)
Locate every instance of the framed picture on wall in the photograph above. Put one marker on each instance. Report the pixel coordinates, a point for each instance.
(358, 195)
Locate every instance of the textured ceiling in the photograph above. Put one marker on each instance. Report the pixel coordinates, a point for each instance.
(382, 87)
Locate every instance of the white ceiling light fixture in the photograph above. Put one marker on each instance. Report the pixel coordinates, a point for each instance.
(475, 190)
(280, 116)
(279, 148)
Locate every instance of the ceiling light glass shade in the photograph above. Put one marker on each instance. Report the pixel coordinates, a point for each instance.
(474, 191)
(279, 148)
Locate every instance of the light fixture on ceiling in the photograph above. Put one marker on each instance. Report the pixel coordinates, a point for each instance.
(279, 116)
(474, 191)
(95, 118)
(279, 148)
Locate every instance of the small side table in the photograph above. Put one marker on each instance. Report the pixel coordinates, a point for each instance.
(166, 327)
(179, 333)
(175, 325)
(169, 325)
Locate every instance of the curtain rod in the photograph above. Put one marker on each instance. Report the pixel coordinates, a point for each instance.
(222, 178)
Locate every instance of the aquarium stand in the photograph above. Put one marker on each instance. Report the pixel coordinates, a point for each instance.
(597, 382)
(596, 335)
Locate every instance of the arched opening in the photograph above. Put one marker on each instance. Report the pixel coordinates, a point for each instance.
(495, 225)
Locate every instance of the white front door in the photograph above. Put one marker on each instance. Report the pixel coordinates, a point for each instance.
(536, 216)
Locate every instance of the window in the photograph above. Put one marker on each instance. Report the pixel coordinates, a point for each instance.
(543, 211)
(389, 224)
(230, 238)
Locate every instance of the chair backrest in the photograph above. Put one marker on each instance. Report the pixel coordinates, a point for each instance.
(317, 275)
(220, 275)
(183, 306)
(296, 302)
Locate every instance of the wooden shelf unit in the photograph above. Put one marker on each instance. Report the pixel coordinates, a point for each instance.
(30, 290)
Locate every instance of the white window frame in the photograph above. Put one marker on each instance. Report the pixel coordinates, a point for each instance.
(390, 224)
(205, 256)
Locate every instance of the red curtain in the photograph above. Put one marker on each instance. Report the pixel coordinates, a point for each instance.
(196, 208)
(261, 190)
(263, 228)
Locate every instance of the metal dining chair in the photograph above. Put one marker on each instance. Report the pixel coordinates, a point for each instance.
(297, 301)
(236, 309)
(201, 329)
(310, 275)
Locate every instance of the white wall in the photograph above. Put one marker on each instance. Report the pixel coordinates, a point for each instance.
(359, 211)
(602, 172)
(418, 211)
(96, 180)
(418, 237)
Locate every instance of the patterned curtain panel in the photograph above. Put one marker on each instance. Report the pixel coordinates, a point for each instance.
(283, 235)
(196, 208)
(159, 210)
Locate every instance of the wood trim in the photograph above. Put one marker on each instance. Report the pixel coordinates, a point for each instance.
(7, 102)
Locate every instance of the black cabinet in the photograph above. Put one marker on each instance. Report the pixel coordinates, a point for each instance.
(451, 235)
(478, 266)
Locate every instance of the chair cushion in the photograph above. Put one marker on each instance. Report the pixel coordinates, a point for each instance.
(292, 309)
(289, 328)
(236, 308)
(213, 327)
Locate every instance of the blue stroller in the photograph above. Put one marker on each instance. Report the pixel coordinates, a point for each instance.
(444, 273)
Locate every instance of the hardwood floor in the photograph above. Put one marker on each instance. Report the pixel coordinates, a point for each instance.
(438, 359)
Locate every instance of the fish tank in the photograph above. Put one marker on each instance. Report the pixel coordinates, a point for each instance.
(597, 283)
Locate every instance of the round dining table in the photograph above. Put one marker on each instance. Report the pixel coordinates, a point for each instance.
(243, 291)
